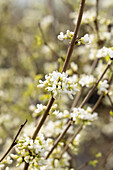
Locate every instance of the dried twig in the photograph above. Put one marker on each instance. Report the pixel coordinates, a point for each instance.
(14, 141)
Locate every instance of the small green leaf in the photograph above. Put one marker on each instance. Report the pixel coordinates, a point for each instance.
(93, 163)
(111, 113)
(98, 155)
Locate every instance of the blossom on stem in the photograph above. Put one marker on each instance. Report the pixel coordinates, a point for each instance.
(79, 114)
(31, 151)
(59, 83)
(85, 39)
(87, 80)
(103, 86)
(39, 110)
(68, 35)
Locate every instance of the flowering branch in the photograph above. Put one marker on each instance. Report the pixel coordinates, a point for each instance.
(14, 141)
(82, 104)
(71, 47)
(69, 53)
(94, 87)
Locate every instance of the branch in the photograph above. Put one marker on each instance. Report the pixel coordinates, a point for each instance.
(71, 47)
(14, 141)
(96, 19)
(94, 87)
(110, 99)
(68, 56)
(58, 139)
(71, 140)
(82, 104)
(105, 159)
(46, 43)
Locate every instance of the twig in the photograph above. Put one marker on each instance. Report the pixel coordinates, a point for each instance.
(71, 47)
(43, 118)
(8, 132)
(110, 99)
(46, 43)
(105, 159)
(71, 140)
(83, 166)
(77, 97)
(14, 141)
(58, 139)
(96, 19)
(94, 87)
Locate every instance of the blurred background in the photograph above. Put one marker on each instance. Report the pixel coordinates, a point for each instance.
(29, 49)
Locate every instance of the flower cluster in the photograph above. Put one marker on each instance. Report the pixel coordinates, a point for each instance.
(31, 151)
(79, 114)
(88, 17)
(58, 83)
(103, 52)
(74, 146)
(87, 80)
(40, 108)
(69, 35)
(6, 161)
(103, 86)
(60, 115)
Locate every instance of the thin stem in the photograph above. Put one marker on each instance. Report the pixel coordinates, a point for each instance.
(45, 42)
(71, 140)
(83, 166)
(96, 19)
(110, 99)
(94, 87)
(105, 159)
(98, 102)
(58, 139)
(71, 47)
(77, 97)
(8, 132)
(43, 118)
(94, 65)
(14, 141)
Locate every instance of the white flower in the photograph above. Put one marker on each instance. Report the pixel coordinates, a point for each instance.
(105, 35)
(110, 52)
(61, 36)
(2, 166)
(74, 66)
(87, 80)
(85, 39)
(103, 86)
(80, 114)
(68, 35)
(39, 109)
(31, 151)
(58, 83)
(88, 17)
(103, 52)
